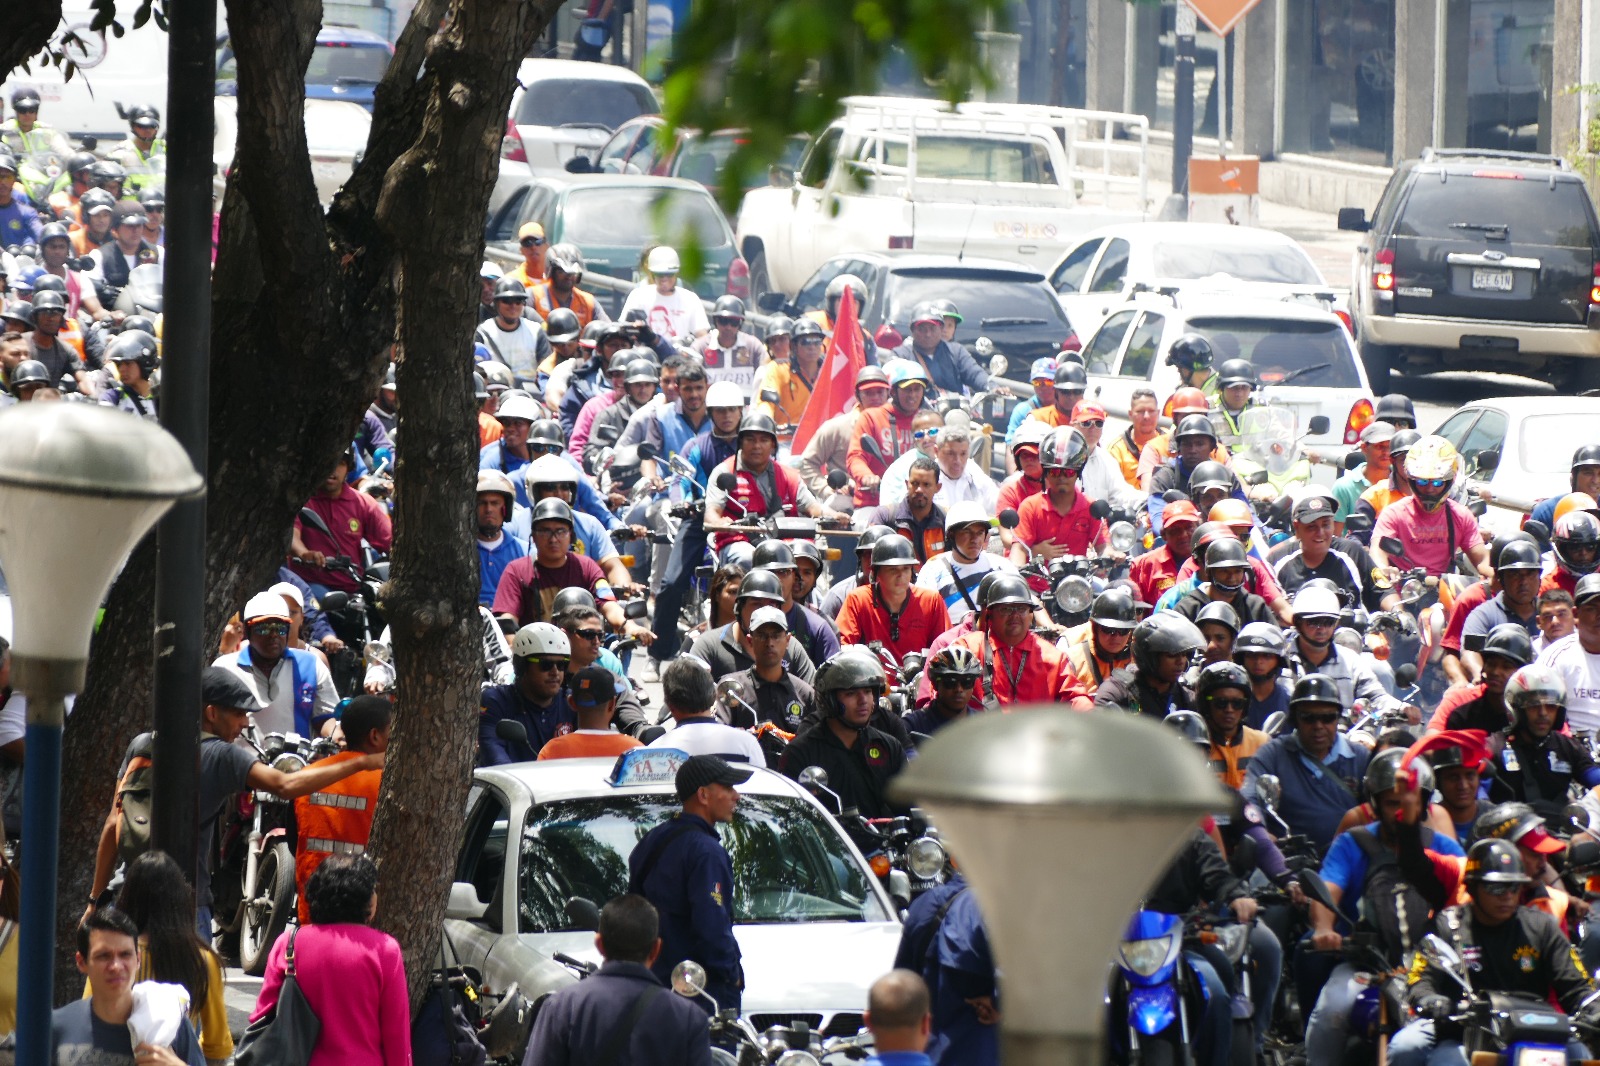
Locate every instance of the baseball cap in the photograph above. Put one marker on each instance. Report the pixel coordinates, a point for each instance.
(284, 588)
(223, 688)
(592, 686)
(698, 771)
(1043, 370)
(1088, 409)
(1588, 589)
(1179, 511)
(264, 605)
(1377, 432)
(768, 616)
(1310, 508)
(530, 229)
(490, 271)
(1537, 839)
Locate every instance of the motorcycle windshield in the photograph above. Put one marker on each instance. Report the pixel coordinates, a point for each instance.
(147, 278)
(1268, 435)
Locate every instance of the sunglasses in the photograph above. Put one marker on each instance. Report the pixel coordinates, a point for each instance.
(1228, 703)
(956, 682)
(532, 242)
(1064, 471)
(1319, 623)
(1501, 890)
(1430, 483)
(589, 634)
(725, 320)
(545, 449)
(818, 342)
(1318, 719)
(546, 664)
(922, 434)
(271, 629)
(1091, 423)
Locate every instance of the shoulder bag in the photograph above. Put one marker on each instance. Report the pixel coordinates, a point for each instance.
(287, 1034)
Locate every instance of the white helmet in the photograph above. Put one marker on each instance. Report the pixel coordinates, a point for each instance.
(548, 470)
(495, 481)
(837, 286)
(519, 407)
(265, 605)
(724, 394)
(965, 513)
(1314, 601)
(1031, 431)
(662, 260)
(540, 638)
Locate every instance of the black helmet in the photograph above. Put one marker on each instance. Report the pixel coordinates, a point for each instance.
(1217, 676)
(1261, 638)
(30, 372)
(757, 422)
(1403, 440)
(92, 199)
(1005, 588)
(104, 172)
(562, 326)
(145, 112)
(871, 375)
(1114, 609)
(955, 660)
(573, 596)
(143, 322)
(480, 387)
(1509, 641)
(728, 307)
(760, 585)
(134, 346)
(48, 283)
(510, 289)
(550, 508)
(1209, 475)
(1315, 688)
(1072, 377)
(1586, 455)
(1221, 613)
(1575, 529)
(80, 161)
(806, 549)
(773, 555)
(1236, 372)
(1383, 773)
(870, 537)
(1395, 406)
(1536, 685)
(49, 300)
(609, 331)
(810, 327)
(893, 550)
(53, 232)
(1190, 352)
(1190, 727)
(1195, 426)
(854, 667)
(1225, 553)
(25, 99)
(548, 431)
(778, 326)
(1164, 633)
(1494, 861)
(642, 372)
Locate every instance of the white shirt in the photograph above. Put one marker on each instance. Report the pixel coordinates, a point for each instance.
(1581, 672)
(677, 315)
(276, 690)
(517, 348)
(935, 575)
(969, 486)
(1102, 480)
(707, 736)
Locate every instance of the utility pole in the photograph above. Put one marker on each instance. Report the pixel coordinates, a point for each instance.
(1177, 206)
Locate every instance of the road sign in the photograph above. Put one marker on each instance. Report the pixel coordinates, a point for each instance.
(1222, 15)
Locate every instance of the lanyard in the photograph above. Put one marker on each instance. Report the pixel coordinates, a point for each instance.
(1013, 676)
(894, 616)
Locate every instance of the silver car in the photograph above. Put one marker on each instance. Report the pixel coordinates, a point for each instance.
(815, 926)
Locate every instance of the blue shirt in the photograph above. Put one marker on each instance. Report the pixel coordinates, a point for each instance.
(1346, 865)
(1545, 512)
(592, 540)
(705, 453)
(1019, 414)
(1315, 796)
(1493, 612)
(1260, 710)
(542, 723)
(492, 562)
(576, 1023)
(690, 882)
(19, 222)
(900, 1058)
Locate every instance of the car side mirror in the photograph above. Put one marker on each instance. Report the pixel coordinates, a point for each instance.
(1318, 426)
(1486, 461)
(771, 302)
(464, 905)
(582, 914)
(1354, 219)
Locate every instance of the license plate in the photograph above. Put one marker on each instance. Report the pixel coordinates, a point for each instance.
(1493, 280)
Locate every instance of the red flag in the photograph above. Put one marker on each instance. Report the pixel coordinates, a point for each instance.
(836, 381)
(1474, 745)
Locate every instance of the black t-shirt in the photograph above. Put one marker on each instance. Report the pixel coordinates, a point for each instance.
(1347, 565)
(224, 773)
(859, 774)
(58, 358)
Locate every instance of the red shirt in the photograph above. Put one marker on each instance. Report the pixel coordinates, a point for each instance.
(1475, 595)
(1559, 578)
(892, 431)
(1076, 530)
(1039, 669)
(863, 618)
(1154, 572)
(1015, 489)
(352, 517)
(528, 590)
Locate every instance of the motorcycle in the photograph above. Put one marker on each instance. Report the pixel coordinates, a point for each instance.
(1379, 1008)
(142, 295)
(378, 656)
(1068, 584)
(353, 615)
(905, 853)
(735, 1042)
(1430, 599)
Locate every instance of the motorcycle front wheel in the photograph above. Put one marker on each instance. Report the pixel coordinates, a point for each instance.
(1163, 1049)
(267, 910)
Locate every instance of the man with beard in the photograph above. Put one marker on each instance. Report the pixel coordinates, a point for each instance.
(859, 758)
(1226, 567)
(1017, 666)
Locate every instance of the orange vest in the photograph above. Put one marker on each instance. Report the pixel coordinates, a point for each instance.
(489, 429)
(1232, 761)
(1381, 496)
(71, 334)
(543, 298)
(336, 819)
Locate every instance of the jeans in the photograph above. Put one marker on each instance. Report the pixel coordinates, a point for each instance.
(1415, 1046)
(1330, 1018)
(688, 552)
(1267, 954)
(203, 923)
(1212, 1033)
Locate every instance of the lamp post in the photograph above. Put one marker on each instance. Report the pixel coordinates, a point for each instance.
(1061, 822)
(79, 486)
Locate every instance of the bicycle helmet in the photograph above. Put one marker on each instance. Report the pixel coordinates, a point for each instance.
(773, 556)
(903, 372)
(1535, 685)
(1217, 676)
(1576, 542)
(809, 329)
(1064, 449)
(760, 585)
(1383, 773)
(495, 481)
(1114, 609)
(778, 326)
(134, 346)
(553, 510)
(955, 660)
(852, 668)
(1164, 633)
(1189, 353)
(893, 550)
(540, 638)
(1496, 862)
(1189, 401)
(1315, 688)
(757, 422)
(562, 326)
(1237, 372)
(1221, 613)
(1209, 475)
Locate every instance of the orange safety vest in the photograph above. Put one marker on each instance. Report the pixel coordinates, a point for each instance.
(543, 298)
(71, 334)
(337, 819)
(1232, 761)
(1381, 495)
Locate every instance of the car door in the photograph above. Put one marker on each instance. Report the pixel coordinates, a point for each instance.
(485, 862)
(1100, 355)
(1135, 363)
(1069, 281)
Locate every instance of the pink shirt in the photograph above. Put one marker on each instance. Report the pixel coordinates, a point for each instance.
(1426, 536)
(351, 516)
(585, 422)
(355, 981)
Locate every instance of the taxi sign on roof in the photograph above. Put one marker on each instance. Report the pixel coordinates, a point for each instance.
(647, 766)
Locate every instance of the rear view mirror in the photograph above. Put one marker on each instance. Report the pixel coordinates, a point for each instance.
(1391, 546)
(1009, 519)
(1354, 219)
(727, 482)
(1269, 788)
(1473, 642)
(515, 732)
(1318, 426)
(1099, 509)
(646, 450)
(1486, 461)
(771, 302)
(636, 609)
(464, 905)
(1357, 522)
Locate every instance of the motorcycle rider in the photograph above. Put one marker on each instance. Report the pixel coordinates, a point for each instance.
(127, 249)
(496, 547)
(1156, 570)
(1112, 618)
(1226, 566)
(1027, 478)
(1153, 684)
(669, 427)
(949, 366)
(1159, 449)
(1511, 948)
(1374, 470)
(19, 221)
(891, 609)
(1583, 476)
(617, 375)
(554, 476)
(55, 248)
(777, 336)
(1219, 625)
(954, 671)
(1576, 657)
(540, 653)
(154, 203)
(1321, 772)
(1236, 380)
(1316, 552)
(97, 209)
(560, 292)
(1072, 381)
(890, 428)
(1458, 776)
(1194, 441)
(144, 154)
(517, 341)
(593, 376)
(960, 477)
(293, 686)
(1192, 354)
(1263, 652)
(671, 310)
(729, 353)
(1396, 409)
(638, 389)
(829, 448)
(725, 648)
(1058, 521)
(1506, 649)
(1540, 762)
(1018, 667)
(955, 572)
(833, 602)
(1042, 376)
(528, 586)
(134, 355)
(30, 378)
(858, 758)
(778, 696)
(64, 201)
(1430, 525)
(1575, 547)
(815, 633)
(783, 386)
(351, 517)
(763, 487)
(337, 818)
(915, 515)
(690, 697)
(47, 345)
(1316, 617)
(385, 406)
(1522, 826)
(1376, 500)
(1144, 417)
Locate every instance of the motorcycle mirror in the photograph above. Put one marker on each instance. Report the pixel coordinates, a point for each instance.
(1009, 519)
(1353, 458)
(82, 263)
(650, 734)
(869, 445)
(1256, 477)
(899, 887)
(1391, 546)
(1268, 787)
(581, 913)
(1357, 522)
(1477, 506)
(515, 732)
(1312, 884)
(1440, 954)
(1272, 727)
(1583, 855)
(689, 979)
(998, 364)
(377, 652)
(1538, 531)
(1100, 509)
(727, 482)
(314, 520)
(505, 1034)
(636, 609)
(1318, 425)
(333, 602)
(646, 450)
(838, 479)
(1473, 642)
(813, 777)
(1577, 816)
(1405, 675)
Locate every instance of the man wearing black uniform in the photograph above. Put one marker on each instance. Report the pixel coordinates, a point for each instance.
(816, 635)
(1316, 552)
(1539, 762)
(1162, 647)
(859, 758)
(1508, 948)
(776, 695)
(682, 868)
(1226, 566)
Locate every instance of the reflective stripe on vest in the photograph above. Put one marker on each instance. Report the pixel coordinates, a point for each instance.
(334, 847)
(334, 799)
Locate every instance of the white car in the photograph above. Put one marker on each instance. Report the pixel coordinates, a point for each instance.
(1303, 357)
(1101, 269)
(815, 926)
(336, 134)
(563, 108)
(1519, 448)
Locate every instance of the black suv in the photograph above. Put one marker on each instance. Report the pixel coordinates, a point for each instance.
(1479, 260)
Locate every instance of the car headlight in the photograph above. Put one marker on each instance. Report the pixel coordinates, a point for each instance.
(1123, 537)
(1074, 594)
(1145, 957)
(289, 762)
(925, 857)
(797, 1058)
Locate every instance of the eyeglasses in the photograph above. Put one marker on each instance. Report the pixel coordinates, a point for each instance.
(1317, 719)
(589, 634)
(1495, 889)
(552, 532)
(545, 449)
(956, 682)
(532, 242)
(1091, 423)
(270, 629)
(546, 664)
(1229, 703)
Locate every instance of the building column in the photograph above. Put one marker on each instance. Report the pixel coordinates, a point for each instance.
(1255, 89)
(1414, 54)
(1144, 46)
(1105, 53)
(1567, 109)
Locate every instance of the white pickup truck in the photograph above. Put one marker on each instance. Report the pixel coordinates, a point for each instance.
(1016, 182)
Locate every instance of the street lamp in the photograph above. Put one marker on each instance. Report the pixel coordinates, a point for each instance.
(79, 485)
(1061, 822)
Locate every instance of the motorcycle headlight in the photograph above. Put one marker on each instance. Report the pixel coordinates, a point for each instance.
(1232, 940)
(1074, 594)
(925, 857)
(797, 1058)
(289, 762)
(1145, 957)
(1123, 537)
(1411, 590)
(1540, 1056)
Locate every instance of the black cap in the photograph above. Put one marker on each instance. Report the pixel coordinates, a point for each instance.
(223, 688)
(1588, 588)
(592, 686)
(702, 770)
(1310, 508)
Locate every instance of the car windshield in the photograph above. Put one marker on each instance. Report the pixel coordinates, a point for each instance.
(1533, 212)
(1277, 348)
(1535, 435)
(1284, 265)
(611, 217)
(987, 302)
(587, 101)
(789, 863)
(336, 64)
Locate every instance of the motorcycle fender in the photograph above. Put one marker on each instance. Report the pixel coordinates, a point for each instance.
(272, 836)
(1152, 1009)
(1366, 1013)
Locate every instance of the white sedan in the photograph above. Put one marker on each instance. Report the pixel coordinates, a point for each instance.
(336, 134)
(1102, 269)
(815, 926)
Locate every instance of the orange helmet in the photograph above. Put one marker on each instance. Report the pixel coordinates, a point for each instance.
(1186, 401)
(1231, 512)
(1575, 501)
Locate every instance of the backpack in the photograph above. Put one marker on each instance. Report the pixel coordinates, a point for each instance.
(133, 800)
(1395, 909)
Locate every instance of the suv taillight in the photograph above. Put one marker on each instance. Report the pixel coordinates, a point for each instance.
(1594, 286)
(1360, 417)
(511, 144)
(1383, 270)
(739, 278)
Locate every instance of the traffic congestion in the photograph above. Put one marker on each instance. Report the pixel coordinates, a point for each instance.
(768, 499)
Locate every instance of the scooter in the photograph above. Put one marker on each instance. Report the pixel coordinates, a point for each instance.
(1271, 460)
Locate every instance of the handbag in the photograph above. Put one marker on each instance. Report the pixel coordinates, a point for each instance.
(287, 1034)
(443, 1034)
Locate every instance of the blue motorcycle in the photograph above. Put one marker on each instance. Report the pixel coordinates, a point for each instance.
(1157, 998)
